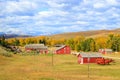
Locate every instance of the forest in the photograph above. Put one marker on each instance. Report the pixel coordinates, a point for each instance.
(78, 43)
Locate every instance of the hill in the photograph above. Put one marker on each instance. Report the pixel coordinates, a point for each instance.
(12, 35)
(88, 34)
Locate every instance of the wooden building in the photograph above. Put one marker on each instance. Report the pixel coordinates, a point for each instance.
(64, 49)
(40, 48)
(88, 57)
(105, 51)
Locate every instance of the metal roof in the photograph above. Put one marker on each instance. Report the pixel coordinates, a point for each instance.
(60, 47)
(91, 54)
(36, 46)
(106, 49)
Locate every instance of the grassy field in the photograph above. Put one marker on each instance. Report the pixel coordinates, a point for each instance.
(65, 67)
(88, 34)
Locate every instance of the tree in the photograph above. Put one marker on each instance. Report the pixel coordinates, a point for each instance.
(101, 42)
(88, 45)
(22, 41)
(70, 42)
(115, 43)
(78, 47)
(16, 42)
(2, 40)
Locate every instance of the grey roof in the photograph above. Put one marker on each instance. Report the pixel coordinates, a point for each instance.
(60, 47)
(91, 54)
(36, 46)
(106, 49)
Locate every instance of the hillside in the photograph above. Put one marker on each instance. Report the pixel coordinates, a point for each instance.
(88, 34)
(4, 52)
(93, 34)
(12, 35)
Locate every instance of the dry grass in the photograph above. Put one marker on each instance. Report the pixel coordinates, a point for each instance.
(87, 34)
(39, 67)
(4, 52)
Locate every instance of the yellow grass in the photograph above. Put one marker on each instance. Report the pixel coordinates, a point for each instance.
(65, 67)
(87, 34)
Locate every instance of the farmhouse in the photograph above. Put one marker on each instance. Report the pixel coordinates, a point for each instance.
(41, 48)
(105, 51)
(88, 57)
(64, 49)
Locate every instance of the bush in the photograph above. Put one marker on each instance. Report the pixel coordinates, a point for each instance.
(3, 52)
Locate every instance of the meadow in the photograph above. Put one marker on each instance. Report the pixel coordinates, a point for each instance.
(64, 67)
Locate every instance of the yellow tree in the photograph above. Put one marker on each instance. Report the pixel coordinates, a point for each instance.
(78, 42)
(22, 41)
(101, 42)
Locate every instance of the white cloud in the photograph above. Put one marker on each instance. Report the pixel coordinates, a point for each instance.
(14, 31)
(51, 13)
(54, 4)
(116, 15)
(46, 16)
(82, 22)
(112, 2)
(45, 13)
(22, 6)
(99, 5)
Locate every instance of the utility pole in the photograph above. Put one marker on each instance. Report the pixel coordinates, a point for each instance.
(88, 66)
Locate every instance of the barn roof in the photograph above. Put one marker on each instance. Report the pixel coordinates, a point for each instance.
(106, 49)
(91, 54)
(36, 46)
(60, 47)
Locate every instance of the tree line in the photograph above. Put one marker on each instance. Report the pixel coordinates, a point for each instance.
(79, 43)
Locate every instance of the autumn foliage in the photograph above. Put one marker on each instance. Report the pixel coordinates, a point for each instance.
(78, 43)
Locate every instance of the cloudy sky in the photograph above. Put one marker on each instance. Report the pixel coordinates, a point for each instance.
(38, 17)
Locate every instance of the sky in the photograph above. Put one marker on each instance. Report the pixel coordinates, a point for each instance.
(45, 17)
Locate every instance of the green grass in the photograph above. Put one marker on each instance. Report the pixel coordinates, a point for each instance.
(65, 67)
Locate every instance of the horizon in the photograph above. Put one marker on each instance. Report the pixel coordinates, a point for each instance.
(46, 17)
(9, 34)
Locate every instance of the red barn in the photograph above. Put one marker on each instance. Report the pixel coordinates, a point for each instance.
(37, 47)
(88, 57)
(63, 50)
(105, 51)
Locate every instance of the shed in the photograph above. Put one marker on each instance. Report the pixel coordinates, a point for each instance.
(105, 51)
(41, 48)
(64, 49)
(88, 57)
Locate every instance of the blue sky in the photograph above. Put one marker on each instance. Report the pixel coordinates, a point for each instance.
(40, 17)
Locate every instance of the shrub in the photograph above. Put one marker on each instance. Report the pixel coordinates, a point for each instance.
(3, 52)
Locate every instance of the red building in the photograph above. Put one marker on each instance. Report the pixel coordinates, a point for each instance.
(40, 48)
(88, 57)
(105, 51)
(63, 50)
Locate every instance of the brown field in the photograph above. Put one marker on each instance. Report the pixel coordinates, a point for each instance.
(88, 34)
(65, 67)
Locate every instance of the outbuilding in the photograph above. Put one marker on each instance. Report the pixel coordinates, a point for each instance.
(105, 51)
(88, 57)
(64, 49)
(40, 48)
